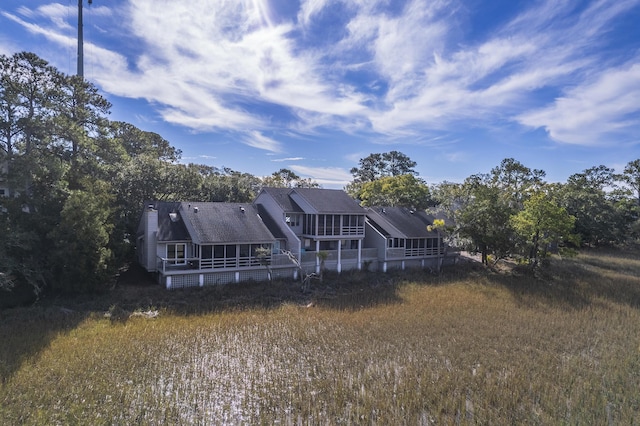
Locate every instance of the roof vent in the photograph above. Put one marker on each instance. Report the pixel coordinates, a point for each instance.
(242, 209)
(150, 207)
(195, 209)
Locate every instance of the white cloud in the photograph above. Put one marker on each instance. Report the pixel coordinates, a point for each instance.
(594, 113)
(497, 78)
(281, 160)
(334, 177)
(258, 140)
(222, 65)
(308, 8)
(223, 54)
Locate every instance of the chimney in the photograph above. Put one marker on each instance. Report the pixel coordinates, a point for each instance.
(150, 238)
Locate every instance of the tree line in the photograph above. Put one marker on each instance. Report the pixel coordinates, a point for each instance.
(512, 210)
(76, 183)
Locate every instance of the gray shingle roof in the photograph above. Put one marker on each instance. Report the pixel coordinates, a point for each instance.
(170, 230)
(281, 196)
(329, 200)
(411, 223)
(271, 223)
(224, 223)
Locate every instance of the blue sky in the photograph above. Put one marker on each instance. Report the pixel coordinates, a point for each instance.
(315, 85)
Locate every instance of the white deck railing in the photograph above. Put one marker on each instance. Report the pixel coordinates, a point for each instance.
(402, 253)
(194, 264)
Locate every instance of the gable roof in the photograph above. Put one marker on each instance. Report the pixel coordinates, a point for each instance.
(170, 229)
(401, 222)
(333, 201)
(210, 223)
(282, 198)
(271, 223)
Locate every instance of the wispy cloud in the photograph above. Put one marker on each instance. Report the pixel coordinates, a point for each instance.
(333, 177)
(260, 141)
(281, 160)
(599, 112)
(499, 77)
(396, 70)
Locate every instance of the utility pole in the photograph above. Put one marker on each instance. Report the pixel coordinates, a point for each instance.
(79, 116)
(80, 40)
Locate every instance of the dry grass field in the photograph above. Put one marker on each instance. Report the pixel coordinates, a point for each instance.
(470, 346)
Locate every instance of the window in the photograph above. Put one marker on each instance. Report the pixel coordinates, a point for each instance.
(329, 245)
(218, 252)
(309, 224)
(328, 225)
(321, 224)
(352, 225)
(396, 242)
(349, 244)
(292, 219)
(176, 254)
(336, 224)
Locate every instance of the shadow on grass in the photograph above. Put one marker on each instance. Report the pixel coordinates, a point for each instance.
(535, 291)
(26, 331)
(568, 284)
(576, 283)
(346, 291)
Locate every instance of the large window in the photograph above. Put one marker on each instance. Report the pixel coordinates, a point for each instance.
(176, 254)
(292, 219)
(249, 254)
(353, 225)
(224, 256)
(396, 242)
(329, 224)
(333, 224)
(309, 224)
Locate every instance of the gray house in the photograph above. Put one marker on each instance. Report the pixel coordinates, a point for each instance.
(195, 244)
(317, 220)
(402, 238)
(285, 231)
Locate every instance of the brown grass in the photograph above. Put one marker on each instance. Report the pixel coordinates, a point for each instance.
(471, 346)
